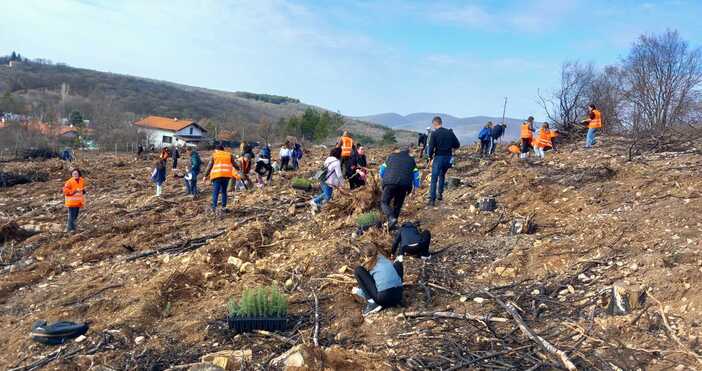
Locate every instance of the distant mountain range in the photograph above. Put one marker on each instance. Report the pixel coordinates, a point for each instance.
(466, 128)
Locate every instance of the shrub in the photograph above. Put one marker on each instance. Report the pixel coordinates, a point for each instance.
(301, 183)
(259, 302)
(368, 219)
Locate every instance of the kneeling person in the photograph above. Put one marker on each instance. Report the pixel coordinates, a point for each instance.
(411, 241)
(382, 285)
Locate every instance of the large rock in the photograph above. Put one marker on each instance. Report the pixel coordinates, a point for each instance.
(229, 360)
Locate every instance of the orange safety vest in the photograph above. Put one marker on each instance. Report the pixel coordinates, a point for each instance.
(544, 139)
(514, 149)
(346, 146)
(526, 133)
(73, 192)
(596, 122)
(222, 166)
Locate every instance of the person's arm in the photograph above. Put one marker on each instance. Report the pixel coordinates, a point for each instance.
(432, 145)
(396, 243)
(456, 144)
(209, 168)
(381, 171)
(337, 170)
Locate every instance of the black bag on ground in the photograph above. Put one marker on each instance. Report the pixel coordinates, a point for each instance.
(57, 332)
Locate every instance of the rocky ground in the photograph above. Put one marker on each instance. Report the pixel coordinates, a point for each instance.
(153, 275)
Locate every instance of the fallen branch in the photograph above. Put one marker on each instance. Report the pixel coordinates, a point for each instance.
(541, 342)
(181, 246)
(423, 284)
(275, 336)
(482, 358)
(669, 330)
(315, 337)
(452, 315)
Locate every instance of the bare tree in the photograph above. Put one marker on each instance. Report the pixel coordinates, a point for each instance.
(663, 76)
(606, 92)
(568, 104)
(265, 129)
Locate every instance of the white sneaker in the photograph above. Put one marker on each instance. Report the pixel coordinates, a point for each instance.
(314, 206)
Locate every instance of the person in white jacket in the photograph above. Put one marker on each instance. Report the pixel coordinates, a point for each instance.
(334, 179)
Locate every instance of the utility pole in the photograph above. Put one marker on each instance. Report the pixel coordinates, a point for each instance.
(504, 110)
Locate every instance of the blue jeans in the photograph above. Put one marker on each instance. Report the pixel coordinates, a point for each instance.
(439, 168)
(191, 185)
(72, 216)
(219, 185)
(590, 138)
(325, 196)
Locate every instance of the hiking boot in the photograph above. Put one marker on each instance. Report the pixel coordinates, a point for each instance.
(440, 198)
(370, 308)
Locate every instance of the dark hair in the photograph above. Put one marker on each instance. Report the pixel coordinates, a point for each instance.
(436, 119)
(531, 118)
(335, 152)
(78, 170)
(592, 106)
(219, 147)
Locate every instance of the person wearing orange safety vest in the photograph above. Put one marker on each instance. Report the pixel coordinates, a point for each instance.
(526, 136)
(543, 140)
(514, 150)
(74, 193)
(594, 123)
(221, 168)
(347, 149)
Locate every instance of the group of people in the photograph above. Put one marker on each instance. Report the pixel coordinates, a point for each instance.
(488, 136)
(290, 155)
(346, 162)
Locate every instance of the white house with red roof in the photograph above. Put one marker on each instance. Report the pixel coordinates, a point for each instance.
(166, 132)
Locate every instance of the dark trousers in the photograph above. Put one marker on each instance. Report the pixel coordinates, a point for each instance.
(72, 216)
(493, 145)
(485, 147)
(284, 163)
(346, 166)
(191, 185)
(356, 181)
(175, 163)
(439, 167)
(419, 249)
(392, 199)
(295, 162)
(526, 145)
(387, 298)
(219, 186)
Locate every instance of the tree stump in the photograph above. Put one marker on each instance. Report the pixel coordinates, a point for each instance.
(523, 225)
(622, 298)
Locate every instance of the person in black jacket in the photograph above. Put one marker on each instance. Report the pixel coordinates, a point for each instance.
(441, 145)
(422, 144)
(399, 174)
(411, 241)
(497, 132)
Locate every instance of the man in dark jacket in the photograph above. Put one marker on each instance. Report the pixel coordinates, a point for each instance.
(497, 132)
(195, 165)
(422, 144)
(399, 174)
(442, 142)
(409, 240)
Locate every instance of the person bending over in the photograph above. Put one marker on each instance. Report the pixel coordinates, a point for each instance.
(411, 241)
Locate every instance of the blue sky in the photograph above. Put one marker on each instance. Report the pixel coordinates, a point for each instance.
(358, 57)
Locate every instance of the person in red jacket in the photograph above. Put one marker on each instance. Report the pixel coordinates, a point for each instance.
(74, 194)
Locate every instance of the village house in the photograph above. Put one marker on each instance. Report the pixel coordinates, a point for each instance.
(165, 132)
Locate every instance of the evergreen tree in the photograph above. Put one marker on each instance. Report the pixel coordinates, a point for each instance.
(76, 119)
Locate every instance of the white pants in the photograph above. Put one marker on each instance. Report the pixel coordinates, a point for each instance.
(539, 152)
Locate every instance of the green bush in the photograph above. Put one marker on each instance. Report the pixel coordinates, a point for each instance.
(368, 219)
(301, 183)
(259, 302)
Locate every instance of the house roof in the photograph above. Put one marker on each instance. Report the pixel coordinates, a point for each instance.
(165, 123)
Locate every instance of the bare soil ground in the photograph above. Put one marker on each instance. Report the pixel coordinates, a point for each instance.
(601, 219)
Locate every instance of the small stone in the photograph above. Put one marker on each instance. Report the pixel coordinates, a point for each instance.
(139, 339)
(536, 292)
(247, 267)
(634, 267)
(289, 284)
(343, 269)
(479, 300)
(79, 339)
(463, 299)
(233, 260)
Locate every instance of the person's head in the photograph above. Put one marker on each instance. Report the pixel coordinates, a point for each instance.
(591, 107)
(346, 133)
(436, 122)
(545, 125)
(361, 151)
(489, 124)
(75, 173)
(335, 152)
(219, 147)
(530, 119)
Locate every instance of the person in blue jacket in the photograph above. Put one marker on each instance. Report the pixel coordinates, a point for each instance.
(158, 175)
(400, 176)
(485, 137)
(381, 286)
(411, 241)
